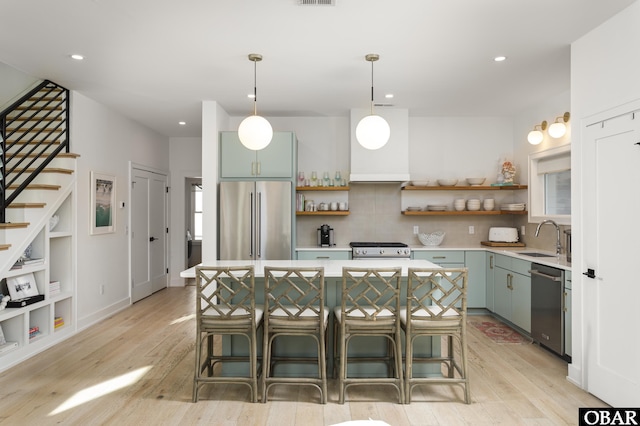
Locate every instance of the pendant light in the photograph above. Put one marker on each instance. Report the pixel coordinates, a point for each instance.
(255, 132)
(372, 132)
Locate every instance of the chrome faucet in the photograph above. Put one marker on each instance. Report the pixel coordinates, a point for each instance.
(558, 245)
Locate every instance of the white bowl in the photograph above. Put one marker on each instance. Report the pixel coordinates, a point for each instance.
(475, 181)
(420, 183)
(432, 239)
(447, 182)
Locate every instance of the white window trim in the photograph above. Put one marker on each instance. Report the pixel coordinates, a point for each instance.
(536, 185)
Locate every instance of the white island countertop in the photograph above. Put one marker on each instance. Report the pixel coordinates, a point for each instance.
(518, 252)
(332, 268)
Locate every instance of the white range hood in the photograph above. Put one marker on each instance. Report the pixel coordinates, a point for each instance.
(389, 163)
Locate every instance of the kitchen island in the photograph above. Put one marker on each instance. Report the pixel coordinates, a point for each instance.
(332, 268)
(374, 346)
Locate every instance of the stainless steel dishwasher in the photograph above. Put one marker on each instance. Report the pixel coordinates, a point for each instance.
(547, 319)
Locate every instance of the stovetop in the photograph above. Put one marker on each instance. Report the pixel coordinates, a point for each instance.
(358, 244)
(380, 250)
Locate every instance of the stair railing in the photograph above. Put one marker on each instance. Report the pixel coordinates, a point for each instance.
(33, 130)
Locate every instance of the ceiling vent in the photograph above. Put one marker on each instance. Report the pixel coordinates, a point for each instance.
(317, 2)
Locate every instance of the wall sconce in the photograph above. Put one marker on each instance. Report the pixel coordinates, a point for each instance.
(559, 128)
(535, 136)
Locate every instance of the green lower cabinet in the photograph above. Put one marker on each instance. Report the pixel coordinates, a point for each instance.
(475, 261)
(502, 293)
(521, 301)
(512, 291)
(489, 271)
(323, 254)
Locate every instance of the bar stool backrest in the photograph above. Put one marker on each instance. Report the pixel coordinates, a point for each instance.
(294, 294)
(225, 294)
(370, 294)
(436, 296)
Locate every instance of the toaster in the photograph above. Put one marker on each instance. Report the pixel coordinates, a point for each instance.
(503, 235)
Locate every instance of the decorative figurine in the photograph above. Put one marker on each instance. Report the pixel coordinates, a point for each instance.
(508, 171)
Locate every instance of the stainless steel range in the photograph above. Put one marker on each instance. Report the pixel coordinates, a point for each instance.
(379, 250)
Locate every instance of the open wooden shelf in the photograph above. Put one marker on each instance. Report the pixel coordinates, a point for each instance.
(324, 213)
(464, 188)
(464, 213)
(322, 188)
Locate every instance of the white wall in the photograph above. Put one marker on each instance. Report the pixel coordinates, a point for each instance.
(106, 142)
(458, 147)
(13, 81)
(605, 70)
(184, 154)
(214, 120)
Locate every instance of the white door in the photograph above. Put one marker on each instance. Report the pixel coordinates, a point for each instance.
(148, 233)
(610, 179)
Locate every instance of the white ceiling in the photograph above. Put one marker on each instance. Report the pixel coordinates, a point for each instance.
(157, 60)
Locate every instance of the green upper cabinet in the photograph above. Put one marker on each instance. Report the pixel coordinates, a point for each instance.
(274, 161)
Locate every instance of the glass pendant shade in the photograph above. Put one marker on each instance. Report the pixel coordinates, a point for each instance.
(535, 137)
(373, 132)
(255, 132)
(557, 130)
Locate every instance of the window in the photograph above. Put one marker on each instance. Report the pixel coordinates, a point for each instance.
(550, 185)
(196, 208)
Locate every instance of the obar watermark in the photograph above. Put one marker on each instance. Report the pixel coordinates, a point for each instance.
(609, 416)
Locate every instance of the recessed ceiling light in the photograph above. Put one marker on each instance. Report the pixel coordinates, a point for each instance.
(389, 95)
(77, 57)
(182, 123)
(500, 58)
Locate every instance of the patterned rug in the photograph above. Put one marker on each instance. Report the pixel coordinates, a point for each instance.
(499, 332)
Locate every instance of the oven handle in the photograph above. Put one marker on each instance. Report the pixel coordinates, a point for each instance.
(547, 276)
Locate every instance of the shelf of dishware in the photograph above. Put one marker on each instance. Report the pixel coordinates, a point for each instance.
(463, 213)
(322, 195)
(441, 205)
(465, 188)
(322, 188)
(324, 213)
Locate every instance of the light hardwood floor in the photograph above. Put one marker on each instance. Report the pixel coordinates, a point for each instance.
(136, 368)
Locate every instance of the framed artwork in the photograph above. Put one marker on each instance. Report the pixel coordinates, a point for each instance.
(22, 286)
(103, 203)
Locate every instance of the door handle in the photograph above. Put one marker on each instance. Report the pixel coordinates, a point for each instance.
(152, 239)
(591, 273)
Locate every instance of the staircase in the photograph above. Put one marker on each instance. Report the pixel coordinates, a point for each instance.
(38, 171)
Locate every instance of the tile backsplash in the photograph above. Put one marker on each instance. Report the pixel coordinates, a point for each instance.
(375, 215)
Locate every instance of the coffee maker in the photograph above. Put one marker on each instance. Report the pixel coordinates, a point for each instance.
(325, 236)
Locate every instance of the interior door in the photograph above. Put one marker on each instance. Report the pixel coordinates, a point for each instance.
(148, 233)
(611, 178)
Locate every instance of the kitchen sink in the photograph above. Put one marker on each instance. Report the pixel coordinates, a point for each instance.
(536, 254)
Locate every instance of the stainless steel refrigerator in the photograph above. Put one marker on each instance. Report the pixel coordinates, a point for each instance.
(255, 220)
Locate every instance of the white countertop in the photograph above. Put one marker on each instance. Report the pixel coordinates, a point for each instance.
(553, 261)
(332, 268)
